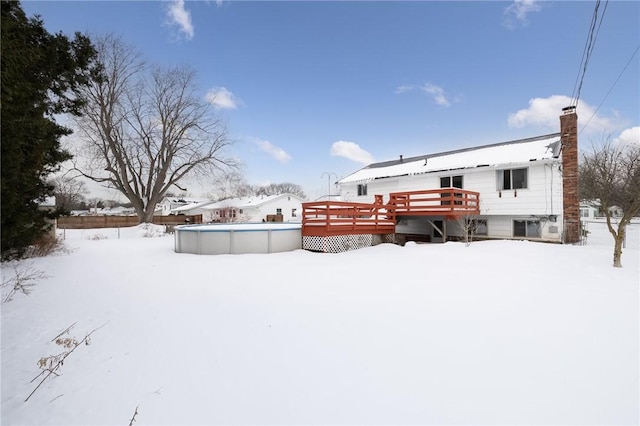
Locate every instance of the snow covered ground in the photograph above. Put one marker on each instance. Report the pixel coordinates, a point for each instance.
(501, 332)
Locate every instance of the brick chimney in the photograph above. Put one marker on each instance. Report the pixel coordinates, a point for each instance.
(570, 198)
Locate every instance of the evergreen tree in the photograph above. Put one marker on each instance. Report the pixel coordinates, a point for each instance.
(41, 73)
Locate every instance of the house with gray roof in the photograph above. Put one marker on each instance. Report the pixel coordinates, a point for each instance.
(527, 189)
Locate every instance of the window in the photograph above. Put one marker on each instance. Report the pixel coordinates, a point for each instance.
(362, 189)
(478, 227)
(278, 211)
(241, 211)
(450, 182)
(526, 228)
(512, 179)
(293, 212)
(584, 212)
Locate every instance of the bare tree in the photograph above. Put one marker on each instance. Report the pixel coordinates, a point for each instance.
(69, 191)
(147, 128)
(281, 188)
(231, 184)
(611, 173)
(467, 225)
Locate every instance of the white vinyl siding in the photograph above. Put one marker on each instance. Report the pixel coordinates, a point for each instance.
(542, 198)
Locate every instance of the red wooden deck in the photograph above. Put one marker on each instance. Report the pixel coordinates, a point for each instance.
(331, 218)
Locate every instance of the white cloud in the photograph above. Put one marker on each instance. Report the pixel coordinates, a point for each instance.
(404, 89)
(437, 93)
(178, 16)
(629, 136)
(516, 13)
(277, 153)
(221, 98)
(545, 113)
(351, 151)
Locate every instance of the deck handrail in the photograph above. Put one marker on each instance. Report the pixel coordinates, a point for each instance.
(344, 217)
(445, 201)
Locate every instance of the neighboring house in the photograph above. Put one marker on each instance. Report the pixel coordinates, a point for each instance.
(527, 188)
(282, 207)
(118, 211)
(589, 210)
(168, 204)
(192, 208)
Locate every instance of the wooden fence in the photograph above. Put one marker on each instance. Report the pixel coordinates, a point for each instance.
(88, 222)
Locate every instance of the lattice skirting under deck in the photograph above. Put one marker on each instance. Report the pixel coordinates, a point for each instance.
(340, 243)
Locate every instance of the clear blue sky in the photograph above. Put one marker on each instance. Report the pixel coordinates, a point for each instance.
(327, 87)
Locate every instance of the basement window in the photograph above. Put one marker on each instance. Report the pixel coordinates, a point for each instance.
(478, 227)
(362, 189)
(526, 228)
(512, 179)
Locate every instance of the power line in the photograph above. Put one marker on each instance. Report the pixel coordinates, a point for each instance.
(611, 88)
(588, 50)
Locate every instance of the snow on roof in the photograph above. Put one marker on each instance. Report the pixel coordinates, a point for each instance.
(191, 206)
(520, 151)
(246, 202)
(183, 200)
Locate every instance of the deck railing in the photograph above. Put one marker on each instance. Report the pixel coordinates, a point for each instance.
(445, 202)
(325, 218)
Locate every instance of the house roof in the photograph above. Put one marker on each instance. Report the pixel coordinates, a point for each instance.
(504, 153)
(191, 206)
(182, 200)
(247, 202)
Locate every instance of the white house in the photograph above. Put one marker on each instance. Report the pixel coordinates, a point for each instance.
(193, 208)
(168, 204)
(527, 188)
(589, 210)
(282, 207)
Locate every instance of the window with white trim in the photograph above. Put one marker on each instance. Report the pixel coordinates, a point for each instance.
(362, 189)
(512, 178)
(450, 182)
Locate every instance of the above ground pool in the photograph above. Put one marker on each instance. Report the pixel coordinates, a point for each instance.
(237, 238)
